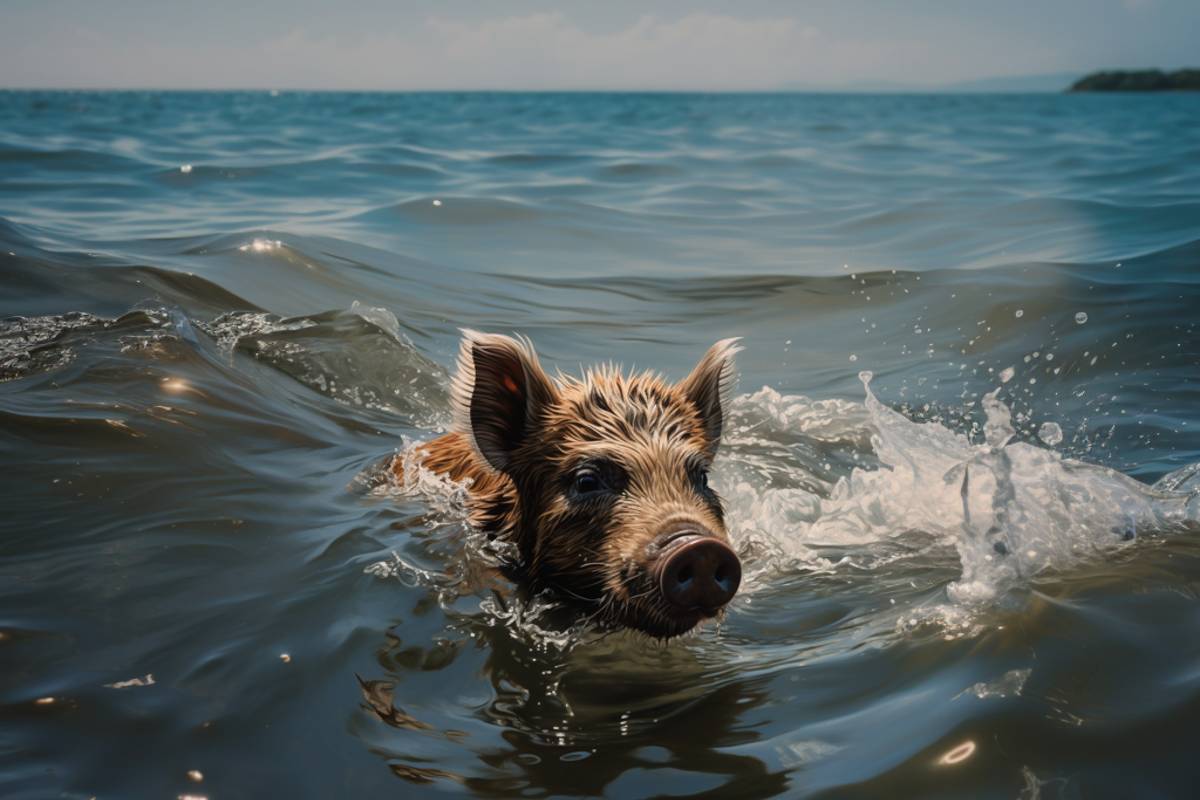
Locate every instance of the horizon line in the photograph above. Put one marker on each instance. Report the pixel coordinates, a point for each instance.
(931, 89)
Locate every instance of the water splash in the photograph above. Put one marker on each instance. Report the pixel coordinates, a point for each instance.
(1010, 684)
(1010, 509)
(231, 327)
(1050, 433)
(31, 344)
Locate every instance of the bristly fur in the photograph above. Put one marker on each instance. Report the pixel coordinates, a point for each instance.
(521, 437)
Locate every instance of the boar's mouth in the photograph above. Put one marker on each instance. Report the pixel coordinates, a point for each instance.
(637, 606)
(644, 609)
(686, 577)
(664, 623)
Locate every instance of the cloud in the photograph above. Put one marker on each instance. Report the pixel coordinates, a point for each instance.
(700, 51)
(547, 50)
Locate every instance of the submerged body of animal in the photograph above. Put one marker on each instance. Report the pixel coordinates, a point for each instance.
(601, 482)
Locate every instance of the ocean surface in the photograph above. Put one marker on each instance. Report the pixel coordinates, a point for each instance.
(960, 470)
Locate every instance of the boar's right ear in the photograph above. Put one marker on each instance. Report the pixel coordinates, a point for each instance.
(499, 393)
(709, 386)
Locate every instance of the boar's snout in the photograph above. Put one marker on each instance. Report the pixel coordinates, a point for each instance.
(697, 572)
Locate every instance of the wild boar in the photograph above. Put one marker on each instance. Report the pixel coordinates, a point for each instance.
(600, 481)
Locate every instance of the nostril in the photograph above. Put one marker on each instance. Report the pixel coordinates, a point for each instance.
(702, 573)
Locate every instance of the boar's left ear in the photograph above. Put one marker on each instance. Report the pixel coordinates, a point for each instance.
(709, 386)
(499, 393)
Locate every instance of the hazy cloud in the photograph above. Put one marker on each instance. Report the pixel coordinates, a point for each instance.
(539, 50)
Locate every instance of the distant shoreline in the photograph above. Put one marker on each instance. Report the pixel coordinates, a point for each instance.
(1139, 80)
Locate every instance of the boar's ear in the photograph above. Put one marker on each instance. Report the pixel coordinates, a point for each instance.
(499, 392)
(708, 388)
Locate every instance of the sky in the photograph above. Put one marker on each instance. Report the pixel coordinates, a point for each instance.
(610, 44)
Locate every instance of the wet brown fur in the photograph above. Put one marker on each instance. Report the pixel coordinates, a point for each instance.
(654, 440)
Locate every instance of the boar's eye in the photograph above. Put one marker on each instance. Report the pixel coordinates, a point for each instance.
(588, 481)
(699, 476)
(595, 479)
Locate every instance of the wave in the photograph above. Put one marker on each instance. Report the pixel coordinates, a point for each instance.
(358, 357)
(453, 210)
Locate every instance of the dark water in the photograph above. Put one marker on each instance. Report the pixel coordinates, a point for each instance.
(220, 312)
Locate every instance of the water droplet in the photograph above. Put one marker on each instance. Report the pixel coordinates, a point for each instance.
(437, 202)
(1050, 433)
(1080, 317)
(1006, 374)
(853, 357)
(185, 168)
(1020, 313)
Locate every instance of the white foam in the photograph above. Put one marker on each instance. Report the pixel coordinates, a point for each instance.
(1010, 509)
(261, 246)
(232, 326)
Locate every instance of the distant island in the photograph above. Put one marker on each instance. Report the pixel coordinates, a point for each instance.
(1139, 80)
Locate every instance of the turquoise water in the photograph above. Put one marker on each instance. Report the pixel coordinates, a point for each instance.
(221, 311)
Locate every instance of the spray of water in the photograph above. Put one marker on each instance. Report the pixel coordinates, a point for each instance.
(1010, 509)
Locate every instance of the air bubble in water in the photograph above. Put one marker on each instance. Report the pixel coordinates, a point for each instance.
(853, 357)
(1006, 374)
(1080, 317)
(1050, 433)
(1020, 313)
